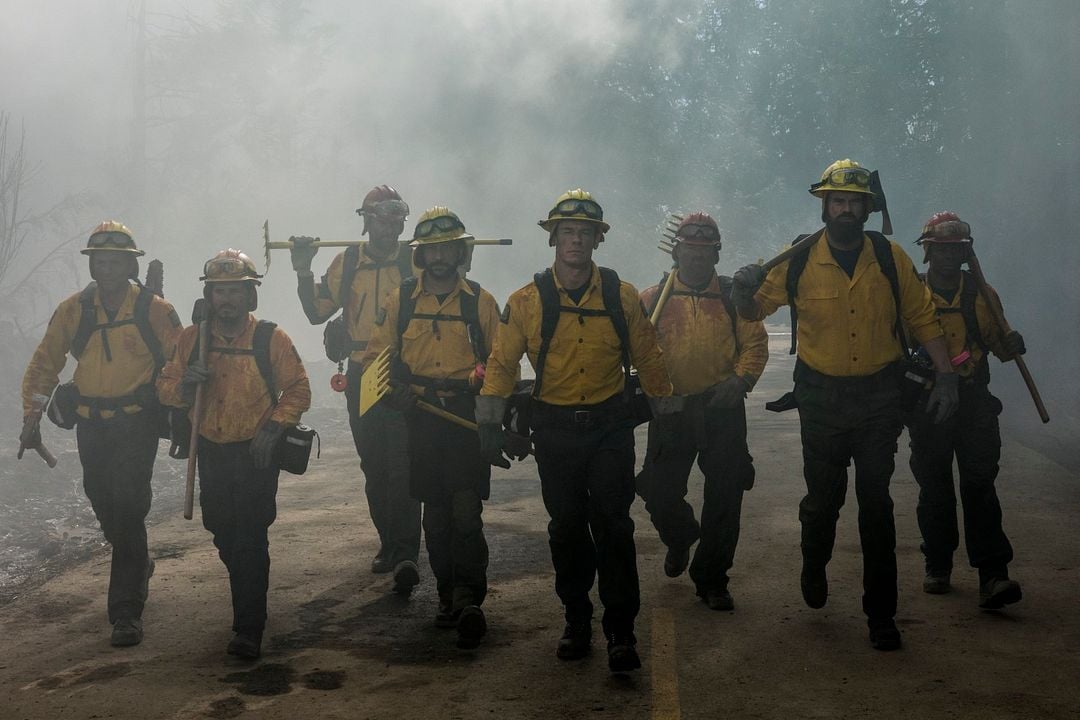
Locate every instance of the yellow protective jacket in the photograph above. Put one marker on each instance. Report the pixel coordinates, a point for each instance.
(435, 344)
(116, 360)
(955, 327)
(701, 348)
(372, 284)
(236, 395)
(584, 361)
(847, 325)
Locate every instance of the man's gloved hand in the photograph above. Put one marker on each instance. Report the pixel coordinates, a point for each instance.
(401, 397)
(728, 393)
(195, 374)
(30, 437)
(302, 252)
(262, 445)
(746, 282)
(944, 397)
(1014, 344)
(517, 446)
(492, 442)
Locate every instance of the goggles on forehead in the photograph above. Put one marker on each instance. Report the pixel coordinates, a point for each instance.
(708, 232)
(387, 209)
(110, 239)
(846, 177)
(228, 269)
(442, 224)
(570, 208)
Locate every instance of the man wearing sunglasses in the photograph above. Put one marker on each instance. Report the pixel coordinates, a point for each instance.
(255, 387)
(847, 379)
(714, 358)
(441, 326)
(119, 334)
(582, 328)
(358, 282)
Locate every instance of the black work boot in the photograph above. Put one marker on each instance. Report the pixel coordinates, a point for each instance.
(997, 592)
(621, 655)
(719, 599)
(883, 634)
(246, 646)
(380, 564)
(445, 617)
(127, 631)
(406, 577)
(676, 560)
(471, 627)
(576, 640)
(937, 583)
(815, 585)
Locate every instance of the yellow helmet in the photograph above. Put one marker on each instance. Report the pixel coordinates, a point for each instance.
(230, 266)
(112, 236)
(575, 204)
(438, 225)
(845, 176)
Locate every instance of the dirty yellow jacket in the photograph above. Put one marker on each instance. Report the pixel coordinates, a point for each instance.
(109, 368)
(435, 344)
(236, 396)
(952, 322)
(372, 285)
(700, 346)
(584, 361)
(846, 325)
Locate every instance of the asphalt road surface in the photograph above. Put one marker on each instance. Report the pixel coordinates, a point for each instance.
(339, 645)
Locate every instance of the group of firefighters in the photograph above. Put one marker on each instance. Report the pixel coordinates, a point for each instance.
(696, 342)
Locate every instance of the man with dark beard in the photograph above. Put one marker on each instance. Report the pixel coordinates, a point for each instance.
(255, 386)
(358, 282)
(119, 333)
(441, 326)
(972, 435)
(851, 291)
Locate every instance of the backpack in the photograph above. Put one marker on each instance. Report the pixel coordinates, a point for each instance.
(724, 296)
(260, 349)
(88, 324)
(552, 309)
(969, 293)
(887, 264)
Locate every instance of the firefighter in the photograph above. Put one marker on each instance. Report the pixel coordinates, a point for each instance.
(582, 328)
(441, 327)
(972, 435)
(851, 290)
(255, 386)
(714, 358)
(119, 333)
(376, 270)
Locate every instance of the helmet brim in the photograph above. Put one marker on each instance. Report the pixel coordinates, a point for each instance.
(134, 251)
(550, 223)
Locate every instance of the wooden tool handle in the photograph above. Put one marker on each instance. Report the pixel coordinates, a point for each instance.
(665, 293)
(196, 423)
(795, 249)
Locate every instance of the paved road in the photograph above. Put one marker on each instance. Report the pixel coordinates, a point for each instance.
(340, 646)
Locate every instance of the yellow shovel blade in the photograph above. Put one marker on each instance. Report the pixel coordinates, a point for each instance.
(375, 382)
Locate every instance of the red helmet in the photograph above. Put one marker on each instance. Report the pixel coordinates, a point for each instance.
(698, 229)
(945, 227)
(384, 200)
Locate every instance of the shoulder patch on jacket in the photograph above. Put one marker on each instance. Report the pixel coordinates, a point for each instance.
(504, 316)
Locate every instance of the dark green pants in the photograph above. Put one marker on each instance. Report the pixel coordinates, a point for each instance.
(117, 457)
(845, 420)
(973, 438)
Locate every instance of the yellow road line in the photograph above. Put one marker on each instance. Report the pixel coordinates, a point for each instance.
(665, 666)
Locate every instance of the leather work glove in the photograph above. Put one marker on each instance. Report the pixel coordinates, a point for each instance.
(728, 393)
(195, 374)
(944, 397)
(262, 445)
(401, 397)
(517, 446)
(492, 442)
(746, 281)
(1014, 344)
(302, 252)
(30, 437)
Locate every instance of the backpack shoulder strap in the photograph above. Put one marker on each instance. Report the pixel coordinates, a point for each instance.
(143, 301)
(729, 305)
(470, 311)
(791, 283)
(969, 293)
(406, 305)
(610, 289)
(87, 320)
(260, 347)
(883, 254)
(404, 260)
(549, 320)
(350, 262)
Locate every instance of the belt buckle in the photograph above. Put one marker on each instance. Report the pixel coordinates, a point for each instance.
(582, 416)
